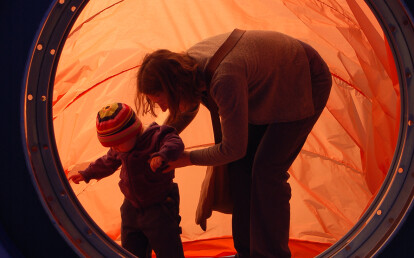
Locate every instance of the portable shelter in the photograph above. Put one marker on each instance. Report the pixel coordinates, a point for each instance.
(341, 166)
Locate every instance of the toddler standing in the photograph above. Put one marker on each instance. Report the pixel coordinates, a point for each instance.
(150, 211)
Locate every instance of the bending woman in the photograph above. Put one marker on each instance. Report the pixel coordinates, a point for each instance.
(270, 91)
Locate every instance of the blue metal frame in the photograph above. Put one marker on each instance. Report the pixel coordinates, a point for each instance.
(57, 197)
(368, 237)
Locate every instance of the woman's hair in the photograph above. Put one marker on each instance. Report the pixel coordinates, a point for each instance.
(174, 74)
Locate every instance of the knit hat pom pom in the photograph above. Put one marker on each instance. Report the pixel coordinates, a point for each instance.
(116, 123)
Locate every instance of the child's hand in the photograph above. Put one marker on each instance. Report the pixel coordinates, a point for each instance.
(76, 178)
(156, 162)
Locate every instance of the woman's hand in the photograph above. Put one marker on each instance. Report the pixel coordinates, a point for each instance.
(76, 178)
(156, 162)
(182, 161)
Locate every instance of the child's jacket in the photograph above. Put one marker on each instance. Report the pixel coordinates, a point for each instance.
(140, 185)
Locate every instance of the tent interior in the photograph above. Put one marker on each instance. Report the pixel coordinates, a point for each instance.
(343, 162)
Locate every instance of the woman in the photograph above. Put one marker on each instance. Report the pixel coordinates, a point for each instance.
(270, 90)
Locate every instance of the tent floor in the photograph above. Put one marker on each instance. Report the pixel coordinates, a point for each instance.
(223, 247)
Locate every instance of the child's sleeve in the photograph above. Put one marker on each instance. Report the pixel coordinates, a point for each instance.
(171, 144)
(102, 167)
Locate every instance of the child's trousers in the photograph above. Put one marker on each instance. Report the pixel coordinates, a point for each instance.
(153, 228)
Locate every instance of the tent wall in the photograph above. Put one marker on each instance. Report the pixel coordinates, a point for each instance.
(341, 166)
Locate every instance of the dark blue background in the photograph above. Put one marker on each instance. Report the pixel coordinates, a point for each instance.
(25, 229)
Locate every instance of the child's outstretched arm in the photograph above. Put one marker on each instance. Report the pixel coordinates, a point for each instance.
(100, 168)
(76, 178)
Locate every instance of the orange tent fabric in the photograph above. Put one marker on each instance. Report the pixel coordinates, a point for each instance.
(344, 160)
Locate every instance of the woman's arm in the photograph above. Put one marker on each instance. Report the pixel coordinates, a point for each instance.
(231, 96)
(183, 120)
(182, 161)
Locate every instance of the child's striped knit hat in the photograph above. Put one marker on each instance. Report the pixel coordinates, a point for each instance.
(116, 123)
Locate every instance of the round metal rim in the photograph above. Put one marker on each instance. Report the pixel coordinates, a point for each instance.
(394, 200)
(367, 238)
(59, 201)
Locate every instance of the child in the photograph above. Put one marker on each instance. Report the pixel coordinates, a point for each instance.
(150, 212)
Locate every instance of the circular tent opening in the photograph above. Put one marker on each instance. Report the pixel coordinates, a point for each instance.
(352, 182)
